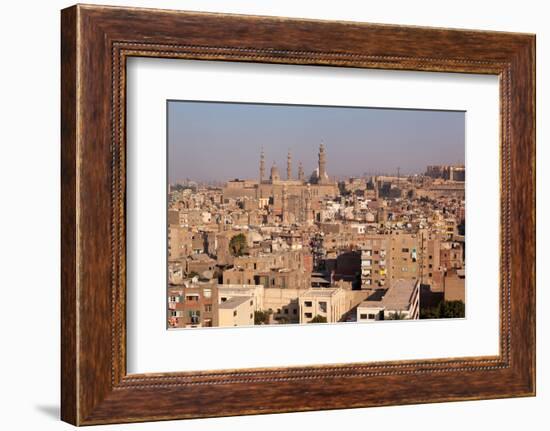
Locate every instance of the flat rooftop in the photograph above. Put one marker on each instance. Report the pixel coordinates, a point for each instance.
(397, 297)
(233, 302)
(320, 291)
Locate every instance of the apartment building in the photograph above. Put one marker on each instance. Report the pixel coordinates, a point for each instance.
(192, 307)
(330, 303)
(236, 311)
(400, 301)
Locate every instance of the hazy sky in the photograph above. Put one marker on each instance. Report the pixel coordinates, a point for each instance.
(219, 141)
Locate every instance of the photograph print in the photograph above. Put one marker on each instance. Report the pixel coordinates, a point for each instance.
(296, 214)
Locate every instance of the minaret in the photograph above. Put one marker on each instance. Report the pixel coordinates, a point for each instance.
(300, 172)
(262, 166)
(289, 166)
(322, 163)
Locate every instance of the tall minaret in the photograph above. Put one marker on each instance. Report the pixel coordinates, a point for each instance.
(322, 163)
(262, 165)
(289, 166)
(300, 172)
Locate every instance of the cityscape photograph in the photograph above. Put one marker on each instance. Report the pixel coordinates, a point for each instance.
(298, 214)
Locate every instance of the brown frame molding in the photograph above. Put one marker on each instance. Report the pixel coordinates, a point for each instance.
(95, 43)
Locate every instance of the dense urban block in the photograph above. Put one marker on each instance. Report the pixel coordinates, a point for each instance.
(316, 249)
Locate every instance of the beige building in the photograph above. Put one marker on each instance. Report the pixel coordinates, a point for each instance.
(405, 255)
(283, 303)
(228, 291)
(402, 299)
(330, 303)
(375, 260)
(455, 286)
(236, 311)
(180, 242)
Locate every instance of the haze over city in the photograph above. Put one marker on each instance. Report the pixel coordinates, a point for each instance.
(212, 141)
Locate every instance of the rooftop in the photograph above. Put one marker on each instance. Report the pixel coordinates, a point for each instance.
(397, 297)
(320, 291)
(233, 302)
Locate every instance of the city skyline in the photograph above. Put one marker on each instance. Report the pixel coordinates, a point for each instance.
(284, 224)
(225, 139)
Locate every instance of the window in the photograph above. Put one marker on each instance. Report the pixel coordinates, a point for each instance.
(363, 316)
(194, 316)
(372, 316)
(307, 304)
(234, 313)
(323, 306)
(207, 293)
(251, 316)
(308, 315)
(208, 308)
(429, 274)
(286, 310)
(404, 250)
(251, 302)
(223, 299)
(294, 311)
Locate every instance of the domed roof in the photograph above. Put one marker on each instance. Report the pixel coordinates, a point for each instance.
(275, 173)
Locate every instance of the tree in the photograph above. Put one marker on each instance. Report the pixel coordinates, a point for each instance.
(397, 315)
(237, 245)
(261, 317)
(429, 313)
(444, 310)
(452, 309)
(282, 320)
(318, 319)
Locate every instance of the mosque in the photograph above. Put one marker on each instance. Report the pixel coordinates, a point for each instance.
(295, 199)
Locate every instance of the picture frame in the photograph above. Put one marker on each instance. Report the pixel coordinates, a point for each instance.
(96, 42)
